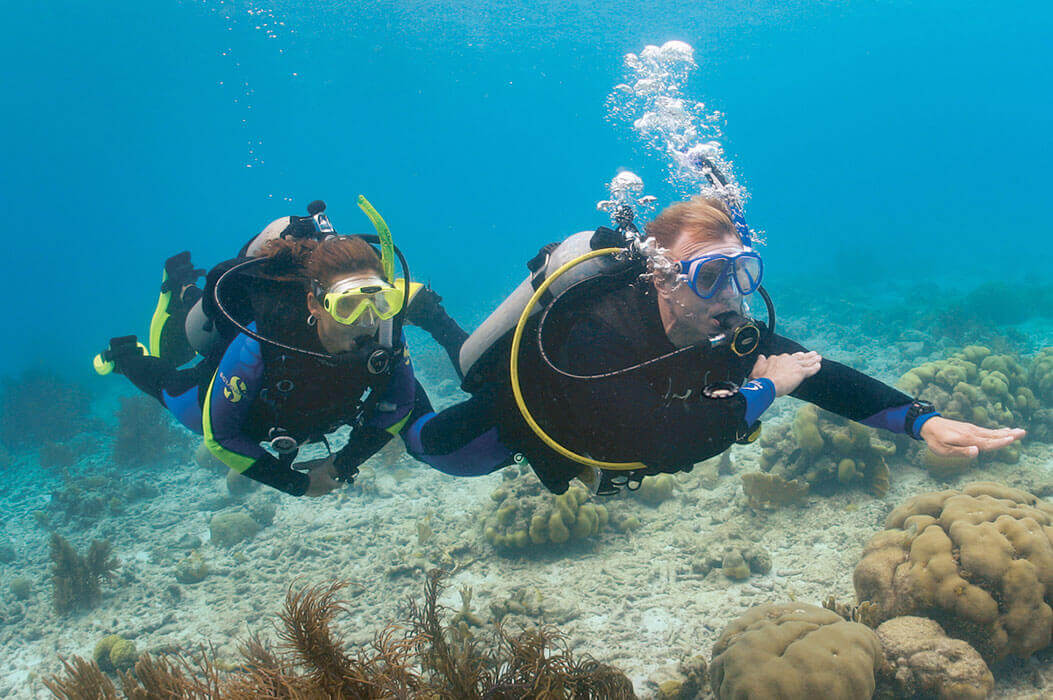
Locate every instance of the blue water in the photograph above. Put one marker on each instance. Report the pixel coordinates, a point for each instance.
(904, 138)
(894, 152)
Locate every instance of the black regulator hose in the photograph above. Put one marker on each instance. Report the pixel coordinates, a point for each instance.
(765, 337)
(325, 357)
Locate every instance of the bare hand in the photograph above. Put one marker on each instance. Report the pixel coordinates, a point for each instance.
(960, 439)
(786, 371)
(322, 477)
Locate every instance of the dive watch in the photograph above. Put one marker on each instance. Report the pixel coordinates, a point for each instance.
(917, 410)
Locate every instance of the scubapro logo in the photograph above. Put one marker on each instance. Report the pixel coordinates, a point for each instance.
(234, 389)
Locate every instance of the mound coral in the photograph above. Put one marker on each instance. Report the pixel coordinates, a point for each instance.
(922, 661)
(114, 652)
(527, 603)
(1040, 376)
(726, 549)
(655, 489)
(770, 491)
(979, 561)
(428, 660)
(820, 447)
(1040, 379)
(192, 569)
(525, 516)
(977, 386)
(794, 650)
(227, 529)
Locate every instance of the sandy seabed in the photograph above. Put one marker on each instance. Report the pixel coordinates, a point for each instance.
(628, 599)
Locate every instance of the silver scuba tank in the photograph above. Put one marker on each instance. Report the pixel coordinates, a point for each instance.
(505, 317)
(200, 330)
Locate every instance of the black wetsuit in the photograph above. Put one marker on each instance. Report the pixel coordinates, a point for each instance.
(656, 415)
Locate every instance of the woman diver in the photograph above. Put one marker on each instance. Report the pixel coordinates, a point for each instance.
(298, 336)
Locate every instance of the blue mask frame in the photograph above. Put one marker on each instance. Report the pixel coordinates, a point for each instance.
(744, 270)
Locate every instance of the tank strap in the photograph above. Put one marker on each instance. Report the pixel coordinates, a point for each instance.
(538, 266)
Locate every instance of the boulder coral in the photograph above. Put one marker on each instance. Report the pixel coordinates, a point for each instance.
(794, 650)
(922, 661)
(115, 653)
(978, 560)
(819, 446)
(525, 517)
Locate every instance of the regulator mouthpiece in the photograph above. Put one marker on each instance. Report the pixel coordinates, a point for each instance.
(742, 335)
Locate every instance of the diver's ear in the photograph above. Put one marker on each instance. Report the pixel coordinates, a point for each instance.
(312, 304)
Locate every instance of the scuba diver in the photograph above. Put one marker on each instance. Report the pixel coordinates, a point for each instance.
(296, 337)
(622, 356)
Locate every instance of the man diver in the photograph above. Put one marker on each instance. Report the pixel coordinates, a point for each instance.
(645, 370)
(292, 334)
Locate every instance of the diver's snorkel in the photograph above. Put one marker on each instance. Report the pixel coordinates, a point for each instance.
(379, 357)
(376, 354)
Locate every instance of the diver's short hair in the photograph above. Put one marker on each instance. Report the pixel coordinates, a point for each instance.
(707, 218)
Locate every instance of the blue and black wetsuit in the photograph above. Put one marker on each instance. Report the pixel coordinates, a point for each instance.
(656, 415)
(245, 389)
(253, 391)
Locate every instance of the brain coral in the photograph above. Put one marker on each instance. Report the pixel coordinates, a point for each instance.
(979, 561)
(793, 650)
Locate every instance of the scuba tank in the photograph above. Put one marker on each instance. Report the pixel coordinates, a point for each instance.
(480, 352)
(206, 328)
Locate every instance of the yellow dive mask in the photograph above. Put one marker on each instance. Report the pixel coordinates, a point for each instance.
(346, 301)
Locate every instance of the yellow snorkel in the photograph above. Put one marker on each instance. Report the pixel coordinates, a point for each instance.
(387, 245)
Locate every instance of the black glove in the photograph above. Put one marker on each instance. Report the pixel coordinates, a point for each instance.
(363, 443)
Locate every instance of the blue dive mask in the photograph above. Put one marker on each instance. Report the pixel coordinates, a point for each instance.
(708, 275)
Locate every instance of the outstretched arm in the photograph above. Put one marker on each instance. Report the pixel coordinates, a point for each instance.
(854, 395)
